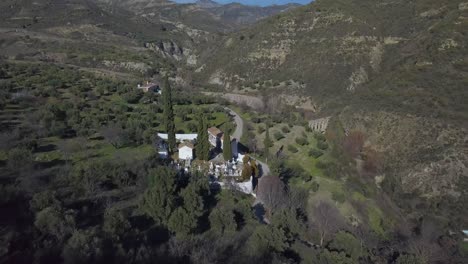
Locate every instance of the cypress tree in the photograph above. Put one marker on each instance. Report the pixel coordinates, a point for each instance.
(267, 142)
(203, 145)
(227, 148)
(160, 197)
(169, 115)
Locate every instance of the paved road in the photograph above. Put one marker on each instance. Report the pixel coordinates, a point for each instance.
(238, 134)
(239, 124)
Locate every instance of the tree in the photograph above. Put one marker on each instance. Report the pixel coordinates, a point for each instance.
(115, 135)
(315, 153)
(246, 172)
(20, 158)
(222, 220)
(271, 191)
(267, 141)
(326, 220)
(83, 247)
(180, 222)
(333, 257)
(409, 259)
(169, 115)
(266, 238)
(53, 221)
(346, 242)
(115, 223)
(185, 219)
(203, 145)
(159, 199)
(227, 148)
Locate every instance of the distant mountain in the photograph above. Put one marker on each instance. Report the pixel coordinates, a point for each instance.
(203, 15)
(207, 4)
(238, 14)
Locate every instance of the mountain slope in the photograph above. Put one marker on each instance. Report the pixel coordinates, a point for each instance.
(335, 46)
(394, 70)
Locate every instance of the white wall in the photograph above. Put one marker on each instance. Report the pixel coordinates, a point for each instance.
(185, 153)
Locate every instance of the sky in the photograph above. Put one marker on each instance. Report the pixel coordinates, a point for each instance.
(254, 2)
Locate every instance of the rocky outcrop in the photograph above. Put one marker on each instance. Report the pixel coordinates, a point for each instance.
(170, 49)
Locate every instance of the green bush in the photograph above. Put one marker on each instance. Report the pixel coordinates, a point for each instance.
(115, 224)
(319, 137)
(260, 129)
(315, 153)
(285, 129)
(302, 141)
(278, 135)
(322, 145)
(314, 186)
(339, 197)
(349, 244)
(292, 149)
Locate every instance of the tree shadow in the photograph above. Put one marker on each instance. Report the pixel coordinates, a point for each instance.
(46, 148)
(260, 212)
(49, 164)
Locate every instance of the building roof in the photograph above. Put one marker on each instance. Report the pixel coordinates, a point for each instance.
(186, 144)
(180, 137)
(214, 131)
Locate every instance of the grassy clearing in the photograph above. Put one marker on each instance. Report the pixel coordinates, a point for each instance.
(94, 149)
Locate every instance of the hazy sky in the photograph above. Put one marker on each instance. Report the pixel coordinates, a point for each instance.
(254, 2)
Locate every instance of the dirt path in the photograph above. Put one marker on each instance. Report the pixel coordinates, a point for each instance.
(238, 134)
(239, 124)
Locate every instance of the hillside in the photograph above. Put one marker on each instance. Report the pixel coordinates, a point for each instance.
(395, 71)
(158, 34)
(349, 119)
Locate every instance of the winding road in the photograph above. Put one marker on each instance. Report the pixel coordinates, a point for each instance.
(238, 135)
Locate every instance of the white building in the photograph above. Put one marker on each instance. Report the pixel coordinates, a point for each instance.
(150, 86)
(179, 137)
(186, 151)
(214, 136)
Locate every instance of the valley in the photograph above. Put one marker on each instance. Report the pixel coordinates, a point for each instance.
(142, 131)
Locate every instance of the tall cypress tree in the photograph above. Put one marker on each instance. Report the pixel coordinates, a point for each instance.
(203, 145)
(227, 148)
(169, 115)
(267, 142)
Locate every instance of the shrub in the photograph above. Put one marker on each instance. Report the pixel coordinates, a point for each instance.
(285, 129)
(292, 149)
(321, 165)
(42, 200)
(260, 129)
(256, 120)
(82, 247)
(346, 242)
(115, 223)
(302, 141)
(339, 197)
(19, 158)
(53, 221)
(315, 186)
(322, 145)
(319, 137)
(315, 153)
(278, 135)
(306, 177)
